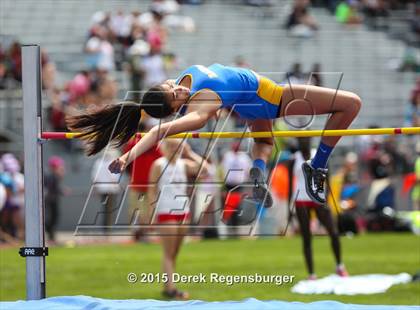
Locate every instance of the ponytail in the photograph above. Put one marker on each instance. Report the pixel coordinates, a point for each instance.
(115, 123)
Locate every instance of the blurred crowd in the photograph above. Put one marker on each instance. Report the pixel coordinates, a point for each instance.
(401, 20)
(413, 110)
(11, 67)
(12, 190)
(117, 44)
(131, 42)
(11, 199)
(367, 187)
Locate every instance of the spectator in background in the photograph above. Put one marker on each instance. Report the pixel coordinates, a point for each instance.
(168, 9)
(366, 146)
(332, 5)
(304, 205)
(374, 10)
(169, 174)
(100, 20)
(153, 64)
(299, 22)
(415, 194)
(100, 51)
(140, 212)
(280, 144)
(235, 166)
(106, 87)
(120, 25)
(164, 7)
(344, 188)
(316, 75)
(415, 23)
(136, 53)
(413, 114)
(275, 220)
(382, 190)
(379, 163)
(241, 62)
(9, 220)
(56, 112)
(106, 185)
(53, 192)
(347, 12)
(48, 71)
(157, 34)
(15, 60)
(205, 201)
(111, 36)
(3, 67)
(296, 76)
(3, 194)
(79, 86)
(12, 167)
(11, 216)
(11, 67)
(137, 31)
(400, 163)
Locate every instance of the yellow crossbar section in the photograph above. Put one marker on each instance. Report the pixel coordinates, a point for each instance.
(266, 134)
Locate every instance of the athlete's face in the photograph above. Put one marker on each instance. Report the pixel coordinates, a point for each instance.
(177, 95)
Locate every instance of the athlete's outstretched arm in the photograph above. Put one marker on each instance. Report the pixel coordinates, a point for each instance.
(191, 121)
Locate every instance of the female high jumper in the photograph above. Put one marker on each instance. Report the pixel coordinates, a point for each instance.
(197, 95)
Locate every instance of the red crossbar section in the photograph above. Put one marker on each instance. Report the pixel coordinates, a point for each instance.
(398, 131)
(53, 135)
(196, 135)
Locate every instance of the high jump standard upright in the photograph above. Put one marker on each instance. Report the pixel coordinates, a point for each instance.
(34, 250)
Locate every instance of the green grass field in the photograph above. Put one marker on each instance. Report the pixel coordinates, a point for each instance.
(101, 271)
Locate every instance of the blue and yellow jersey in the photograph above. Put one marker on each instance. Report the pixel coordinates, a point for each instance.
(238, 89)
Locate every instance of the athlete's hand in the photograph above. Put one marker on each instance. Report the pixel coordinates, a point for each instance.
(118, 165)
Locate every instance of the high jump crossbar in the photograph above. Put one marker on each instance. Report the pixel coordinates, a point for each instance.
(264, 134)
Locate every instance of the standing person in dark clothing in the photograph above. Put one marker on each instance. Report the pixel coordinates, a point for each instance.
(315, 75)
(53, 192)
(304, 205)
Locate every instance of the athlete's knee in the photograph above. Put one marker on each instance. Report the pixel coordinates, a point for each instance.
(355, 103)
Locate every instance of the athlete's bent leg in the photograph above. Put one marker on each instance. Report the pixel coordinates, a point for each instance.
(312, 100)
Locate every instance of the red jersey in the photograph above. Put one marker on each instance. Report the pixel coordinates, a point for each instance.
(140, 167)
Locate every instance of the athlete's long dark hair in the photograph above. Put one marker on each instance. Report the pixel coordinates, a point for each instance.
(117, 123)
